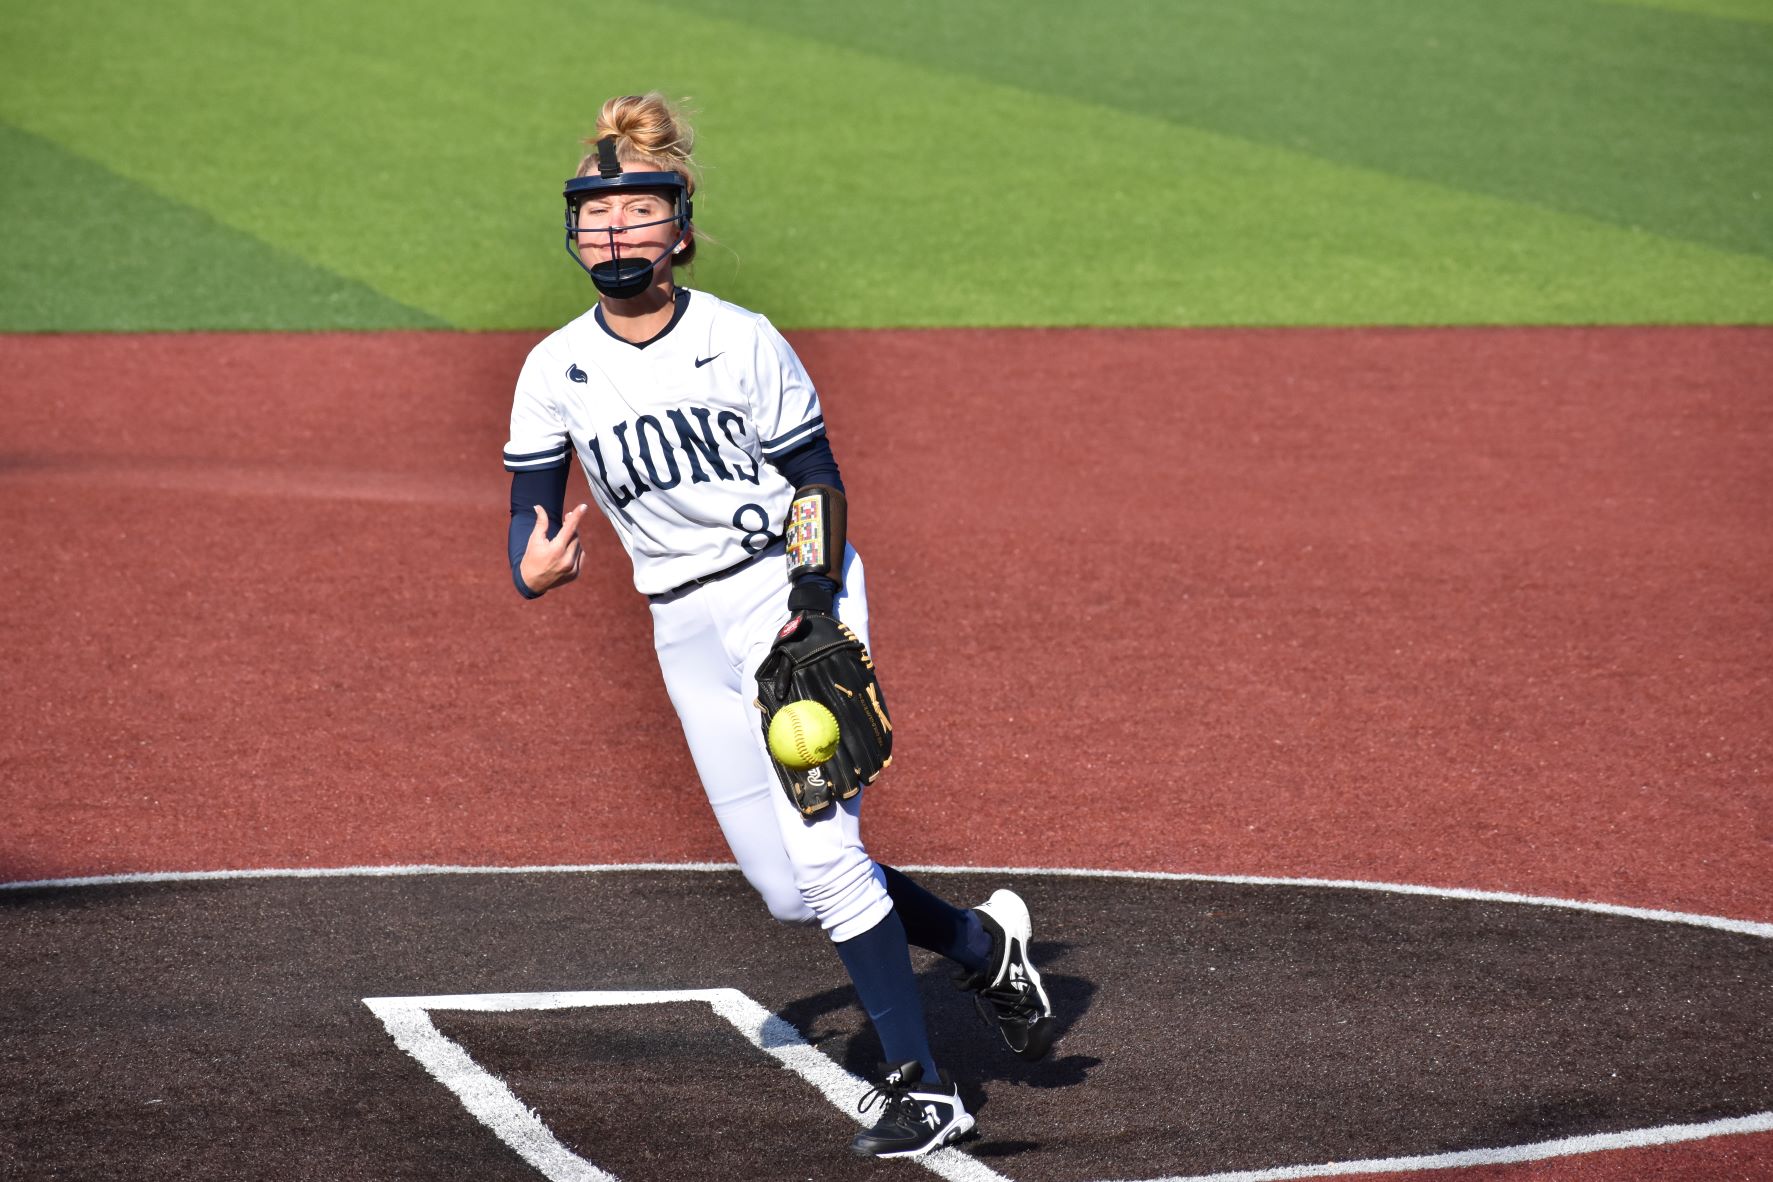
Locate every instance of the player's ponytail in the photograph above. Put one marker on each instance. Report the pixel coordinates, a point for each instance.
(652, 132)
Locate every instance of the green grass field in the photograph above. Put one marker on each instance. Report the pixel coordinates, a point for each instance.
(1193, 162)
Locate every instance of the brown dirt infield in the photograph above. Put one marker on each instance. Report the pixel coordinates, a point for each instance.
(1221, 1027)
(1481, 608)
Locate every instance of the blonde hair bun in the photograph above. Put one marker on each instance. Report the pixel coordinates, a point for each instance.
(649, 130)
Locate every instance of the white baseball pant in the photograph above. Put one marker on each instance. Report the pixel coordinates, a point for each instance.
(710, 640)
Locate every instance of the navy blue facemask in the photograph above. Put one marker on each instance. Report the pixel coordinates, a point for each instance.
(623, 278)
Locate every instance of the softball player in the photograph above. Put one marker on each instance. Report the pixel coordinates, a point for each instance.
(695, 424)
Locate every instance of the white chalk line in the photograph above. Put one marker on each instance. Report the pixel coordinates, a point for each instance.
(483, 1094)
(1629, 1139)
(1760, 1122)
(1740, 926)
(494, 1105)
(154, 876)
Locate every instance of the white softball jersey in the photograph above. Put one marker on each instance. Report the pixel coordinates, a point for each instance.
(674, 438)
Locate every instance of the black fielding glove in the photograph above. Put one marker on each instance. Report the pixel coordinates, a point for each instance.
(816, 656)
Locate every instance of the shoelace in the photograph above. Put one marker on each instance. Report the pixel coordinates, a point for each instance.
(892, 1097)
(1014, 1001)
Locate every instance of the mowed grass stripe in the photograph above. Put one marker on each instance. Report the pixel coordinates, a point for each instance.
(1648, 118)
(1111, 219)
(88, 250)
(1734, 10)
(418, 150)
(380, 142)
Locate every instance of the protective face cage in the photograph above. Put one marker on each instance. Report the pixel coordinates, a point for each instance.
(623, 278)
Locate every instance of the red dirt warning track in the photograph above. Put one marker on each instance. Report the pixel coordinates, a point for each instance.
(1481, 608)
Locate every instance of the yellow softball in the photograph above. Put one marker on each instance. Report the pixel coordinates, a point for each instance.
(803, 734)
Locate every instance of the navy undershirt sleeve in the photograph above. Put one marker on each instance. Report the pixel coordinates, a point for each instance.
(530, 488)
(811, 463)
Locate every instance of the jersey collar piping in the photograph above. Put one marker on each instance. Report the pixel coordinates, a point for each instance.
(682, 299)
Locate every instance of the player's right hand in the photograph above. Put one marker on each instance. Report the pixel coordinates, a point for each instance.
(549, 562)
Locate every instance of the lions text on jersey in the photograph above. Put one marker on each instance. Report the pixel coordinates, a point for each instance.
(674, 437)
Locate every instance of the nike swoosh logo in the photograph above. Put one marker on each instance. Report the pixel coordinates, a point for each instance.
(701, 361)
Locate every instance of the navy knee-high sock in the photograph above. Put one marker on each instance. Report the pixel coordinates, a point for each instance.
(937, 925)
(879, 964)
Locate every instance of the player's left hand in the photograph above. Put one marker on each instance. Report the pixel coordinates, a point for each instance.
(817, 657)
(550, 562)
